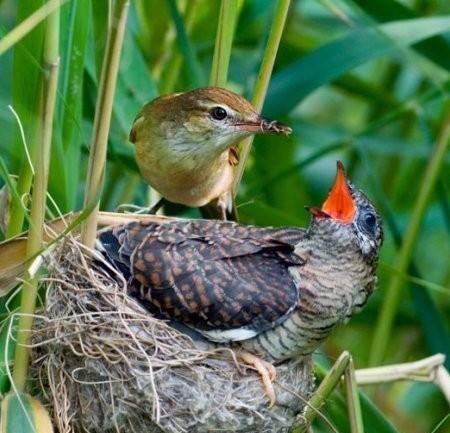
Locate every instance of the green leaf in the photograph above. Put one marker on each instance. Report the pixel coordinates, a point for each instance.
(7, 345)
(259, 213)
(21, 413)
(436, 48)
(193, 66)
(70, 103)
(100, 17)
(299, 79)
(431, 319)
(135, 86)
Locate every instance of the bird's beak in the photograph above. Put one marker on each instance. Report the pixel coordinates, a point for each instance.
(339, 203)
(264, 126)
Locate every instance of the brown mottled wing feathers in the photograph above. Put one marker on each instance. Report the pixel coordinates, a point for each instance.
(209, 274)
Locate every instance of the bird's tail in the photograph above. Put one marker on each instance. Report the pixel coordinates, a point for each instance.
(14, 259)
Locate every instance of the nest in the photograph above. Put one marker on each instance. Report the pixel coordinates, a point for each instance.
(104, 364)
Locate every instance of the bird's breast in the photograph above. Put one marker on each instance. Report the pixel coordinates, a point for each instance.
(328, 295)
(185, 177)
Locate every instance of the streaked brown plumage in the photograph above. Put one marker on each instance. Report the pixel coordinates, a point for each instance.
(275, 293)
(184, 147)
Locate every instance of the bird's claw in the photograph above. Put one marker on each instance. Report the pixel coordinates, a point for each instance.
(267, 372)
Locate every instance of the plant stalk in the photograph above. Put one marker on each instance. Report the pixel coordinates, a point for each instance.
(102, 120)
(224, 41)
(321, 394)
(353, 403)
(392, 296)
(38, 200)
(28, 24)
(27, 105)
(423, 370)
(262, 81)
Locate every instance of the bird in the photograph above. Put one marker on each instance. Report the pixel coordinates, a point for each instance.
(272, 294)
(185, 144)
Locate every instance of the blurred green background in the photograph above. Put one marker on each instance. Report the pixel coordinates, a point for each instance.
(366, 82)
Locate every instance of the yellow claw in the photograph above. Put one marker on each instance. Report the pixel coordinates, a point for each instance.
(267, 372)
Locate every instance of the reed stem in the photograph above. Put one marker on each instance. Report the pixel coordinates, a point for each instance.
(38, 200)
(262, 81)
(28, 24)
(102, 120)
(224, 41)
(321, 394)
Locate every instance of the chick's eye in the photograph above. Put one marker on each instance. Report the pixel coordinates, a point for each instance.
(218, 113)
(370, 221)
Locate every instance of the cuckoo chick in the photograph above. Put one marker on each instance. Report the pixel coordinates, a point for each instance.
(272, 293)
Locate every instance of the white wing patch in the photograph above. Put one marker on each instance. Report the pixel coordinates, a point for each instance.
(228, 335)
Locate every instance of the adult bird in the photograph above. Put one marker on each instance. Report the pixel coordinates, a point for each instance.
(271, 293)
(184, 144)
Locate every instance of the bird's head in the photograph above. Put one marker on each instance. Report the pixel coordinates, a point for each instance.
(348, 214)
(208, 117)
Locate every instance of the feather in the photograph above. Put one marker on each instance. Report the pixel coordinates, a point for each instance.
(13, 253)
(225, 280)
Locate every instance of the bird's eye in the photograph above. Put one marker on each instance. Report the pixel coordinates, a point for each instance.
(369, 222)
(218, 113)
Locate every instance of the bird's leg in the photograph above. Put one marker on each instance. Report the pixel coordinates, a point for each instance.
(342, 367)
(222, 210)
(215, 209)
(226, 207)
(265, 369)
(157, 206)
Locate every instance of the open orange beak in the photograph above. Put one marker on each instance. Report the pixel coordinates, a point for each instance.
(339, 204)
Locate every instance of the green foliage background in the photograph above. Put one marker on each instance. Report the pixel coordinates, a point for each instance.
(367, 82)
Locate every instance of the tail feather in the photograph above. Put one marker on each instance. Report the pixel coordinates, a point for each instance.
(13, 263)
(13, 254)
(108, 244)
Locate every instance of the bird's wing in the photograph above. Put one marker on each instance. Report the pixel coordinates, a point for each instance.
(227, 281)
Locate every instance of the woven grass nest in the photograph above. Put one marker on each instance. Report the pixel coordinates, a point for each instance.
(101, 363)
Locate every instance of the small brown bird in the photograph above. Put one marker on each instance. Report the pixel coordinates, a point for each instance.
(184, 144)
(271, 293)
